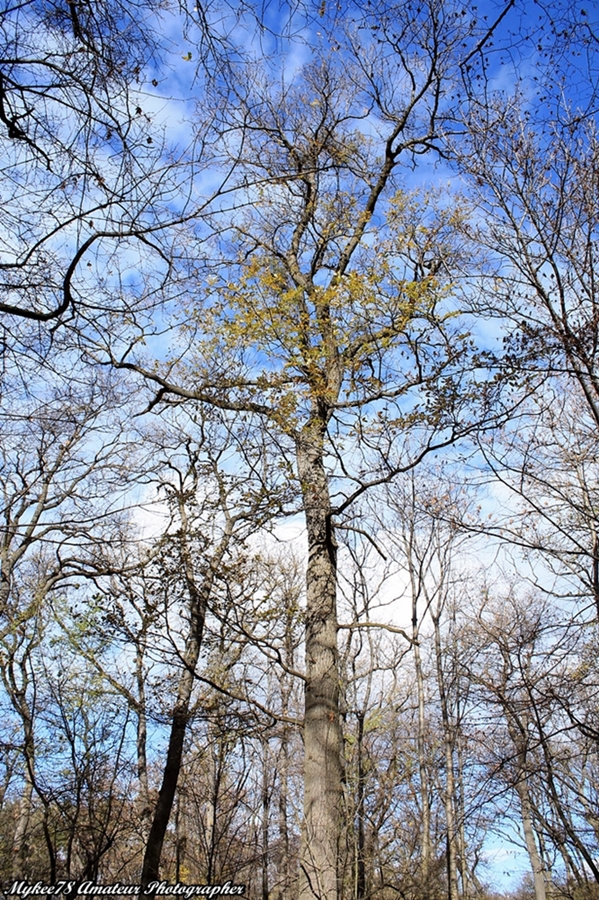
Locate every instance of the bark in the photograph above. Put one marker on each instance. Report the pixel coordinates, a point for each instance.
(449, 793)
(142, 762)
(181, 840)
(536, 864)
(210, 827)
(164, 805)
(17, 682)
(284, 841)
(20, 848)
(212, 831)
(517, 726)
(286, 867)
(265, 820)
(465, 876)
(321, 832)
(425, 859)
(361, 838)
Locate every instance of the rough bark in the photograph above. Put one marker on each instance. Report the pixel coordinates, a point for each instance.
(319, 859)
(20, 847)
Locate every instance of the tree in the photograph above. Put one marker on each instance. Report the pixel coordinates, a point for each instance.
(546, 460)
(204, 499)
(313, 309)
(73, 137)
(64, 463)
(536, 192)
(266, 626)
(527, 663)
(64, 471)
(326, 330)
(422, 531)
(533, 179)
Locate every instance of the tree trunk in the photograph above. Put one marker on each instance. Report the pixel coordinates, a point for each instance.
(449, 793)
(170, 777)
(142, 761)
(360, 891)
(426, 851)
(516, 730)
(286, 867)
(321, 831)
(20, 848)
(198, 604)
(17, 680)
(265, 819)
(529, 838)
(284, 842)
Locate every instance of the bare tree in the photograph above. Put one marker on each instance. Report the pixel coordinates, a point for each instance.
(308, 299)
(326, 330)
(64, 479)
(540, 756)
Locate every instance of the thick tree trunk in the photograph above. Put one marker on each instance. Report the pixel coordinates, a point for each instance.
(321, 830)
(20, 848)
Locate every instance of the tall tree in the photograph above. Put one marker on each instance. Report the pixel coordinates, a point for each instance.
(212, 512)
(64, 472)
(526, 662)
(315, 307)
(324, 318)
(533, 179)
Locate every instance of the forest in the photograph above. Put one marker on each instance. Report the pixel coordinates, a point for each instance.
(299, 449)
